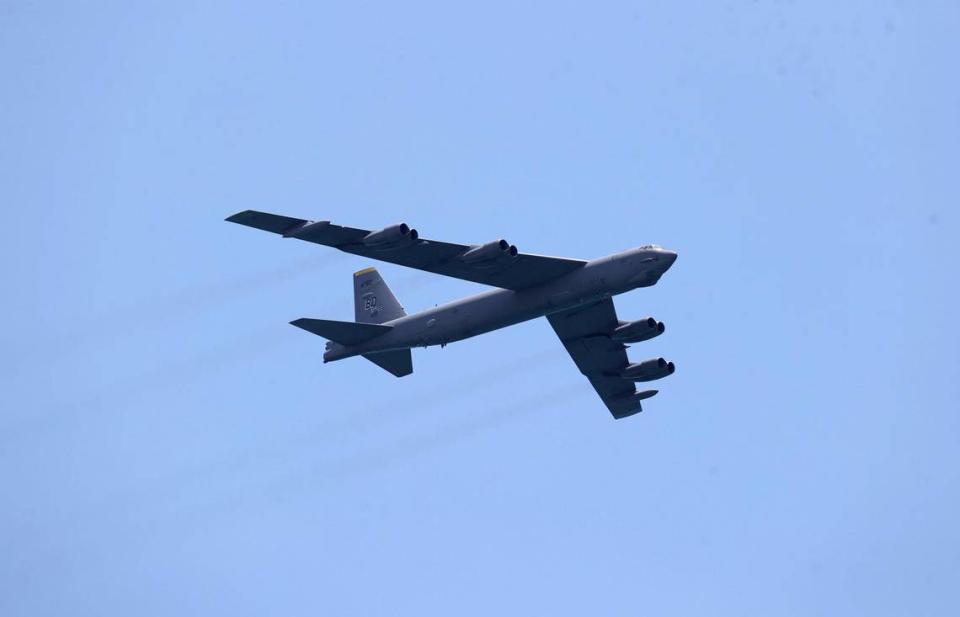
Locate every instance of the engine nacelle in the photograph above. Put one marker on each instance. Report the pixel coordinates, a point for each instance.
(638, 331)
(491, 251)
(393, 237)
(648, 370)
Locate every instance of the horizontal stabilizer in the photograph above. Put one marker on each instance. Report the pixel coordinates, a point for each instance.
(343, 332)
(398, 362)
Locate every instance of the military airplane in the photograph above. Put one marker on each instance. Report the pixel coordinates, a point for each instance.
(574, 295)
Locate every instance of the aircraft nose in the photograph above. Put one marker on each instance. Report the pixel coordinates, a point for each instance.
(669, 257)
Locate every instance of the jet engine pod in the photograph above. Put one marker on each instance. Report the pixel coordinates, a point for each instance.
(393, 237)
(491, 251)
(648, 370)
(638, 331)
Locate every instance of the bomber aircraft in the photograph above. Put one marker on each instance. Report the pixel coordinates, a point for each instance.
(574, 295)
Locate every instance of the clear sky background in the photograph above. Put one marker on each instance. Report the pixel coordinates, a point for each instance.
(169, 445)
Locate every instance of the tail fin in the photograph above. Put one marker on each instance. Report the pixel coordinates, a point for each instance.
(373, 302)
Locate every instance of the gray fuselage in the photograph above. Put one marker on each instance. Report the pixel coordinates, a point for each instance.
(498, 308)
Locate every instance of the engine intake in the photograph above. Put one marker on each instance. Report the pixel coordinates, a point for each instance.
(638, 331)
(392, 237)
(491, 251)
(648, 370)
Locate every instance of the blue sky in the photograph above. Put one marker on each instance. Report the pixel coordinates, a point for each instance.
(169, 445)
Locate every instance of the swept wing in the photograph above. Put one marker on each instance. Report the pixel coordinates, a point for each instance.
(504, 268)
(585, 332)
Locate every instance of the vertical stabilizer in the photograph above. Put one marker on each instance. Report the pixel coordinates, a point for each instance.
(373, 301)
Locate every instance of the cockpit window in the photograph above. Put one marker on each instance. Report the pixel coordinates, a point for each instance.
(650, 246)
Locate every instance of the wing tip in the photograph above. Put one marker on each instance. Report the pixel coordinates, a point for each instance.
(265, 221)
(239, 217)
(629, 405)
(620, 415)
